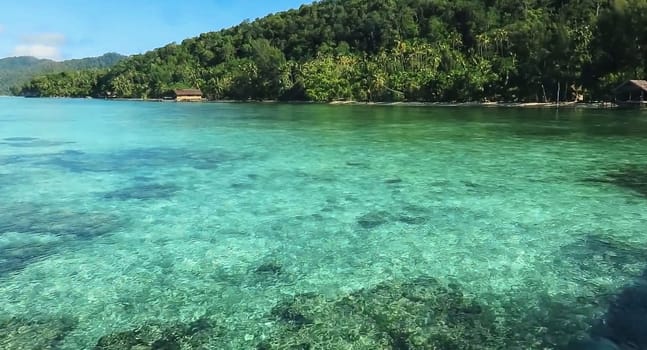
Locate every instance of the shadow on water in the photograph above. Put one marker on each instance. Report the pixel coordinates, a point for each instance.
(624, 324)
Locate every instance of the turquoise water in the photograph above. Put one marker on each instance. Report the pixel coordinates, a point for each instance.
(115, 214)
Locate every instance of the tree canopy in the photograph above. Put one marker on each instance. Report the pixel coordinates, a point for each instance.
(393, 50)
(16, 71)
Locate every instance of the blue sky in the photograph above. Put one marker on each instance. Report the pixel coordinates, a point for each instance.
(64, 29)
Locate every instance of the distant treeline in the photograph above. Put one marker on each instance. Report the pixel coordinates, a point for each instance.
(16, 71)
(393, 50)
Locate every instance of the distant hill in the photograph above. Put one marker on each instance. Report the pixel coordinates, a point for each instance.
(16, 71)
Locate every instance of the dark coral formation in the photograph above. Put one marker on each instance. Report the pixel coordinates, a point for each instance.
(59, 221)
(19, 139)
(126, 160)
(199, 334)
(143, 191)
(548, 322)
(633, 177)
(272, 268)
(16, 258)
(421, 314)
(596, 252)
(26, 142)
(411, 220)
(33, 222)
(393, 180)
(373, 219)
(418, 314)
(37, 334)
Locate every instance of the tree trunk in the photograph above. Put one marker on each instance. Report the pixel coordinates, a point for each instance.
(543, 89)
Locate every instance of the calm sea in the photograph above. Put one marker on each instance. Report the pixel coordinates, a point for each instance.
(122, 216)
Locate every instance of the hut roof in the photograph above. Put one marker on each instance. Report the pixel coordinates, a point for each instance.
(632, 85)
(187, 92)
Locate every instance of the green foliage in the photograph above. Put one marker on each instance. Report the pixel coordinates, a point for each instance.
(414, 50)
(16, 71)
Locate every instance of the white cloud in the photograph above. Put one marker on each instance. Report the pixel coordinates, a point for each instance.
(52, 39)
(42, 45)
(38, 50)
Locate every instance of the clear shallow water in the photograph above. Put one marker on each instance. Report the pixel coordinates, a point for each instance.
(115, 214)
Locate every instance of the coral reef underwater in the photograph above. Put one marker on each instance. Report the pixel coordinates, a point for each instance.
(422, 313)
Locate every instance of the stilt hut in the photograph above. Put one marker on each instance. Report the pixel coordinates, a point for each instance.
(187, 95)
(632, 93)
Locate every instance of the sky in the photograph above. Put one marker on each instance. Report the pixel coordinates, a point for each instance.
(66, 29)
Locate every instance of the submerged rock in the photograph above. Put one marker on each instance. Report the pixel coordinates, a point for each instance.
(37, 334)
(36, 218)
(595, 252)
(32, 142)
(200, 334)
(548, 321)
(358, 164)
(146, 191)
(593, 344)
(373, 219)
(32, 232)
(126, 160)
(269, 268)
(632, 177)
(19, 139)
(418, 314)
(421, 314)
(15, 258)
(393, 180)
(412, 220)
(625, 322)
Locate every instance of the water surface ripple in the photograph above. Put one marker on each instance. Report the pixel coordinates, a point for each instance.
(215, 222)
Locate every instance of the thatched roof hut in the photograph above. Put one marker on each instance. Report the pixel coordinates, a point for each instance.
(187, 94)
(631, 92)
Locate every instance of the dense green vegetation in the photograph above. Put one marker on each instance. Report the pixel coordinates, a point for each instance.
(431, 50)
(16, 71)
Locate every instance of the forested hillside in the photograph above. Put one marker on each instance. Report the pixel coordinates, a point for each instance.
(16, 71)
(393, 50)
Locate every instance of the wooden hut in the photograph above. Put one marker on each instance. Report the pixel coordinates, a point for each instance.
(632, 93)
(187, 95)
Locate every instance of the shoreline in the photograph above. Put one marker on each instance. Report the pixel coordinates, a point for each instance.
(547, 105)
(600, 105)
(554, 105)
(551, 105)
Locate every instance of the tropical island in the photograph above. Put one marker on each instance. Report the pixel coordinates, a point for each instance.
(413, 50)
(275, 226)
